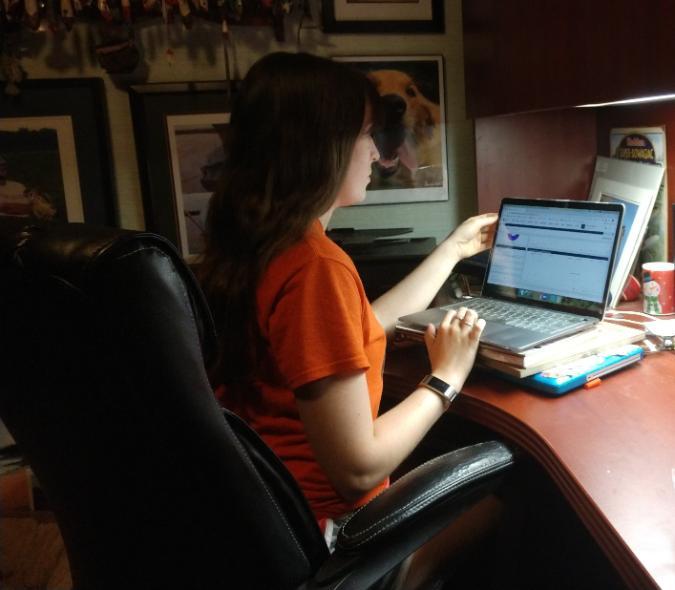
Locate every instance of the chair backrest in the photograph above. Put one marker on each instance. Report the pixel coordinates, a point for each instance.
(103, 340)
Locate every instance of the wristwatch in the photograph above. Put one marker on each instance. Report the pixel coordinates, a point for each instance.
(440, 387)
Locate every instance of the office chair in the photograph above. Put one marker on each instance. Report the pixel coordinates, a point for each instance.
(104, 337)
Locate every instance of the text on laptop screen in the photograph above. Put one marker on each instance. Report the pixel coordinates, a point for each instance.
(554, 255)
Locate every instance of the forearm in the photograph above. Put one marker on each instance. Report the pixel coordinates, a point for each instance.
(395, 435)
(416, 291)
(399, 430)
(355, 451)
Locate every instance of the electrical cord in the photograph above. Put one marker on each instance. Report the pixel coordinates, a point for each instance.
(663, 330)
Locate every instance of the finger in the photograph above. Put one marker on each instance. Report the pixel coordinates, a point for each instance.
(429, 335)
(484, 221)
(445, 323)
(470, 318)
(461, 313)
(487, 218)
(478, 328)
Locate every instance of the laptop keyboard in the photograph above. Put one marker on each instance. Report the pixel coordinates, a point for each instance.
(520, 316)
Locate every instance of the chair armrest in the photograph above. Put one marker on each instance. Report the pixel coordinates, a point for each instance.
(406, 515)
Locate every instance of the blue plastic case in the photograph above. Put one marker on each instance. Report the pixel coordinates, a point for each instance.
(564, 378)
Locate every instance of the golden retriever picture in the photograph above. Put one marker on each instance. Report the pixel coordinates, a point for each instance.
(409, 138)
(409, 131)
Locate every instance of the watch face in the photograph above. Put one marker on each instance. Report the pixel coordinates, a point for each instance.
(438, 384)
(440, 387)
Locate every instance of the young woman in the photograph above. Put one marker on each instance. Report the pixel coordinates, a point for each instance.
(301, 348)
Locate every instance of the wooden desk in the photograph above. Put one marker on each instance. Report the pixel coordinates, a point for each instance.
(610, 450)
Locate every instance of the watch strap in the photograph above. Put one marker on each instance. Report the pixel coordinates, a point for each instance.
(446, 391)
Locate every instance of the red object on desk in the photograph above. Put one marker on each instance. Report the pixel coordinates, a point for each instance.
(631, 290)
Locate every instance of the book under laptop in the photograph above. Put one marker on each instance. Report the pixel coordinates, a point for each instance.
(547, 275)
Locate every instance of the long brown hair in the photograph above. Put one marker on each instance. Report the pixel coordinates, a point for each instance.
(293, 127)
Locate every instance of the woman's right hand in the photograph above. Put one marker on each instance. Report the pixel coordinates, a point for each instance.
(453, 345)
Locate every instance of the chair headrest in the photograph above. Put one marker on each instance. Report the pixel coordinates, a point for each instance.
(69, 249)
(77, 252)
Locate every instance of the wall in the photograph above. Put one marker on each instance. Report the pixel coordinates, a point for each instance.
(538, 154)
(198, 55)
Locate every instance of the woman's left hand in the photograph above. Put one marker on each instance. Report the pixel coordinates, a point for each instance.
(474, 235)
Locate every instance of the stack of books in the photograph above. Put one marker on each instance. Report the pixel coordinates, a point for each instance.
(599, 343)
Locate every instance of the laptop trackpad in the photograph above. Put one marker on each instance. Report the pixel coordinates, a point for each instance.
(511, 337)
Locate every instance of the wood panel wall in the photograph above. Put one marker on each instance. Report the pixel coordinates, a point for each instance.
(542, 154)
(522, 55)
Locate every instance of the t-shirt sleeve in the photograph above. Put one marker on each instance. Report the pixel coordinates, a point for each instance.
(316, 328)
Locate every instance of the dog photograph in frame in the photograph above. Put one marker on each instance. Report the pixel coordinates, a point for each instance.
(411, 135)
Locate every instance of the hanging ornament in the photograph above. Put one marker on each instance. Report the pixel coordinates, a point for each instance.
(201, 6)
(12, 73)
(126, 10)
(235, 10)
(13, 10)
(278, 20)
(149, 5)
(105, 11)
(67, 14)
(185, 13)
(222, 12)
(52, 21)
(10, 37)
(31, 15)
(167, 10)
(117, 53)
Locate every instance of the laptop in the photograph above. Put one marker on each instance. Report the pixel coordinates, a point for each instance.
(547, 275)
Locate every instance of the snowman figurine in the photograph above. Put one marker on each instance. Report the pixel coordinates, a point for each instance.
(650, 291)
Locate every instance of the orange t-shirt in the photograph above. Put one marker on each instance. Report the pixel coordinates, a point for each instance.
(316, 320)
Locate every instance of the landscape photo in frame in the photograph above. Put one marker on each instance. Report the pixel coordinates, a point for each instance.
(196, 145)
(38, 169)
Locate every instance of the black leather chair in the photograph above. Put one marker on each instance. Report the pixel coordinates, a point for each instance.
(104, 336)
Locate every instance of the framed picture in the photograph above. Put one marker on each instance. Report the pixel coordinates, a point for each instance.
(55, 157)
(196, 145)
(412, 139)
(180, 130)
(383, 16)
(647, 145)
(634, 185)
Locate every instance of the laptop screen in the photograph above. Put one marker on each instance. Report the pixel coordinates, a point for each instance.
(556, 254)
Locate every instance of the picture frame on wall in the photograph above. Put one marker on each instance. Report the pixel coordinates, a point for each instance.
(180, 130)
(411, 139)
(55, 154)
(196, 146)
(385, 16)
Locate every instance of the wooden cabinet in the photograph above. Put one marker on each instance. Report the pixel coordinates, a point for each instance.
(528, 64)
(524, 55)
(382, 265)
